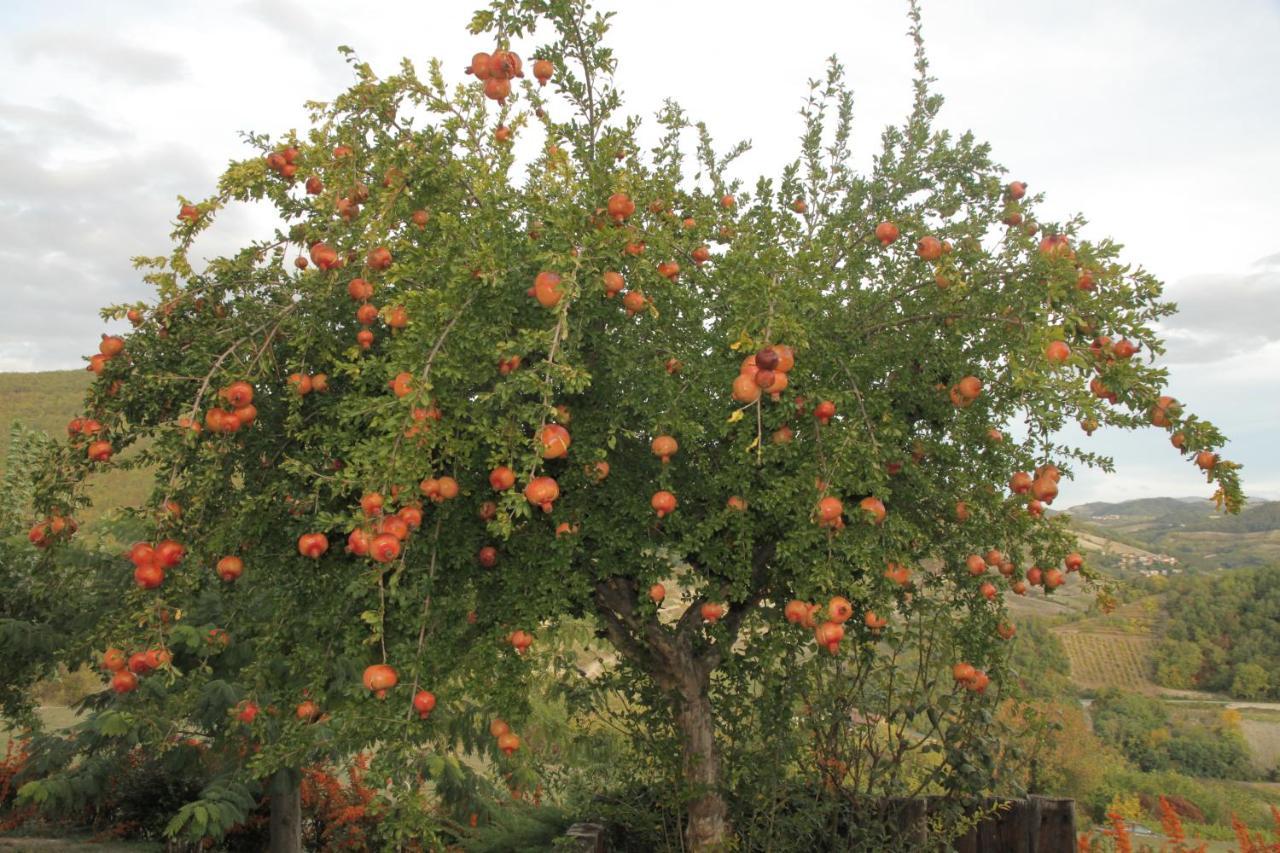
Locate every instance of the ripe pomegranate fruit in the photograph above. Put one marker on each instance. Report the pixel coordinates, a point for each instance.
(1044, 489)
(657, 593)
(542, 71)
(547, 289)
(384, 548)
(613, 284)
(313, 545)
(542, 492)
(886, 233)
(874, 508)
(380, 678)
(929, 248)
(839, 609)
(1124, 349)
(830, 512)
(620, 207)
(148, 575)
(663, 503)
(664, 447)
(502, 478)
(230, 568)
(1020, 483)
(829, 635)
(745, 389)
(424, 702)
(520, 641)
(635, 302)
(711, 612)
(555, 441)
(114, 660)
(899, 574)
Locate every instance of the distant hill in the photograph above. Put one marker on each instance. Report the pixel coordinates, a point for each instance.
(1189, 529)
(46, 401)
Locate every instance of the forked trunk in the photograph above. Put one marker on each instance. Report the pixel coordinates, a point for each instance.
(708, 826)
(286, 811)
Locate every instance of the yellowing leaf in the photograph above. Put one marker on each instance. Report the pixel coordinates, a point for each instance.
(735, 417)
(753, 444)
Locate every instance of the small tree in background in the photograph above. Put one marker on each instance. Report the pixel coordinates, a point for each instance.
(447, 406)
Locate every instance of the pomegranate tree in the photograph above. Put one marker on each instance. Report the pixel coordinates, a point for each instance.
(790, 435)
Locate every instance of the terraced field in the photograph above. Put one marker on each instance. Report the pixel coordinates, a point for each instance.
(1109, 660)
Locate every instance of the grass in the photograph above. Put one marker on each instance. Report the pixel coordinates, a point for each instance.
(45, 402)
(54, 717)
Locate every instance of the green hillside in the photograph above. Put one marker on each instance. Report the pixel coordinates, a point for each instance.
(45, 402)
(1190, 530)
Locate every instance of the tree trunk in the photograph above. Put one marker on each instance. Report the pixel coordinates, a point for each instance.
(286, 811)
(708, 827)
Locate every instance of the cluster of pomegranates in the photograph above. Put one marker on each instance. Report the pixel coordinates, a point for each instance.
(125, 670)
(1042, 488)
(151, 561)
(496, 70)
(284, 162)
(109, 347)
(237, 410)
(830, 631)
(50, 529)
(508, 741)
(764, 371)
(978, 565)
(830, 511)
(379, 679)
(969, 677)
(965, 392)
(97, 448)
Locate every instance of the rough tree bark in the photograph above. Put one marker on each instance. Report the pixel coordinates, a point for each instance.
(680, 662)
(708, 826)
(286, 811)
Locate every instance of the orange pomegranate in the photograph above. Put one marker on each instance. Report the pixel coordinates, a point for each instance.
(542, 492)
(664, 447)
(663, 503)
(380, 678)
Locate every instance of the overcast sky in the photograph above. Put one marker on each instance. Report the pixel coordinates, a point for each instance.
(1159, 120)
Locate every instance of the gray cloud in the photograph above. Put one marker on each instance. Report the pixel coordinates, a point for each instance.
(68, 229)
(102, 56)
(1220, 316)
(309, 36)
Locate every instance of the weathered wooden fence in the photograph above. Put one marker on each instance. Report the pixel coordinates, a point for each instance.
(1033, 825)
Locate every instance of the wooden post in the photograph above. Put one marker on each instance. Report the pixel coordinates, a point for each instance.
(589, 837)
(1056, 832)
